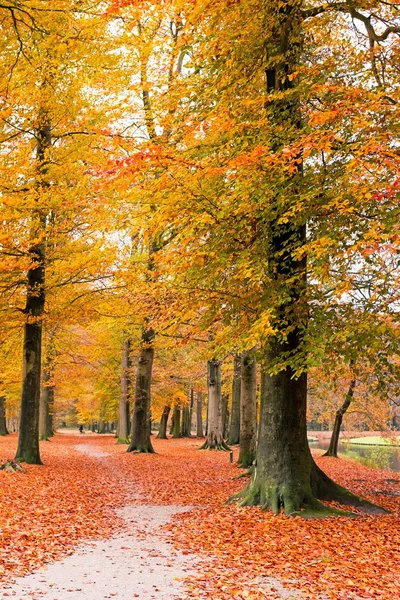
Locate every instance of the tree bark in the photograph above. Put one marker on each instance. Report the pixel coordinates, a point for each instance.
(186, 422)
(162, 432)
(214, 439)
(248, 410)
(234, 429)
(3, 426)
(176, 419)
(46, 407)
(333, 444)
(28, 440)
(225, 416)
(141, 441)
(199, 415)
(123, 419)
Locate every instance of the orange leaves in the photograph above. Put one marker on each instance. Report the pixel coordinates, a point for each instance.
(245, 554)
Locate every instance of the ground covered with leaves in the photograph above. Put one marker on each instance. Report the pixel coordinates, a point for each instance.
(46, 512)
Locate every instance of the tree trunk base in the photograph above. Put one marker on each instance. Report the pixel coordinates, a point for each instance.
(331, 454)
(122, 441)
(296, 500)
(245, 460)
(141, 448)
(217, 446)
(12, 466)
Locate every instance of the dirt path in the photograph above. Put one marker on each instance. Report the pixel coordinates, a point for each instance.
(138, 562)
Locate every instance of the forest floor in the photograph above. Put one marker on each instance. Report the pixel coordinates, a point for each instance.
(96, 522)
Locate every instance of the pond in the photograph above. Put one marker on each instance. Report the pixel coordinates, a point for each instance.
(379, 457)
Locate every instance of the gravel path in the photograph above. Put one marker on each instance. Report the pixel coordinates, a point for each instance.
(134, 564)
(138, 562)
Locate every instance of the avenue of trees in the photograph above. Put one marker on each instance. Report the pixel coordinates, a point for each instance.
(199, 214)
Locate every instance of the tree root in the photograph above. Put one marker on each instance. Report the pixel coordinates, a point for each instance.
(302, 500)
(12, 466)
(219, 446)
(247, 473)
(141, 449)
(325, 489)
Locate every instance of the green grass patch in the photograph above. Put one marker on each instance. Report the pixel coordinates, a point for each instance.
(375, 440)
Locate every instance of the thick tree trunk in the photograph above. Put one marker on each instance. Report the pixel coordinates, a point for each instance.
(214, 439)
(248, 410)
(176, 420)
(333, 444)
(3, 426)
(162, 432)
(141, 441)
(234, 429)
(123, 418)
(199, 414)
(28, 440)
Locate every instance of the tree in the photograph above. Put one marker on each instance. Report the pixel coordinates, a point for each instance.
(124, 411)
(234, 429)
(214, 439)
(199, 414)
(248, 410)
(162, 433)
(3, 426)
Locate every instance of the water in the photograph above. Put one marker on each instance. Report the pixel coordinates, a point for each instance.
(379, 457)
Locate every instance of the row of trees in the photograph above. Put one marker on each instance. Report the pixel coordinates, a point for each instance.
(229, 188)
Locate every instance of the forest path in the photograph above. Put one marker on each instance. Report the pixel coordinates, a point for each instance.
(137, 562)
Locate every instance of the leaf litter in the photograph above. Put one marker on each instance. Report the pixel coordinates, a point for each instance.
(243, 552)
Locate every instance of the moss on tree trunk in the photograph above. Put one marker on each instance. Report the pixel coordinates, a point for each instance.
(285, 475)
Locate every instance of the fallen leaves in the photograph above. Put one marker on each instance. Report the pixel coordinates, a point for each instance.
(245, 554)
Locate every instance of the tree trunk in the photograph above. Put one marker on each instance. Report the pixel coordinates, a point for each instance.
(186, 422)
(140, 441)
(248, 410)
(162, 432)
(46, 406)
(3, 426)
(214, 440)
(199, 414)
(333, 444)
(123, 419)
(176, 431)
(191, 405)
(28, 440)
(234, 430)
(225, 416)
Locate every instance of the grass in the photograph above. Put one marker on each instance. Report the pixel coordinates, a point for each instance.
(375, 440)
